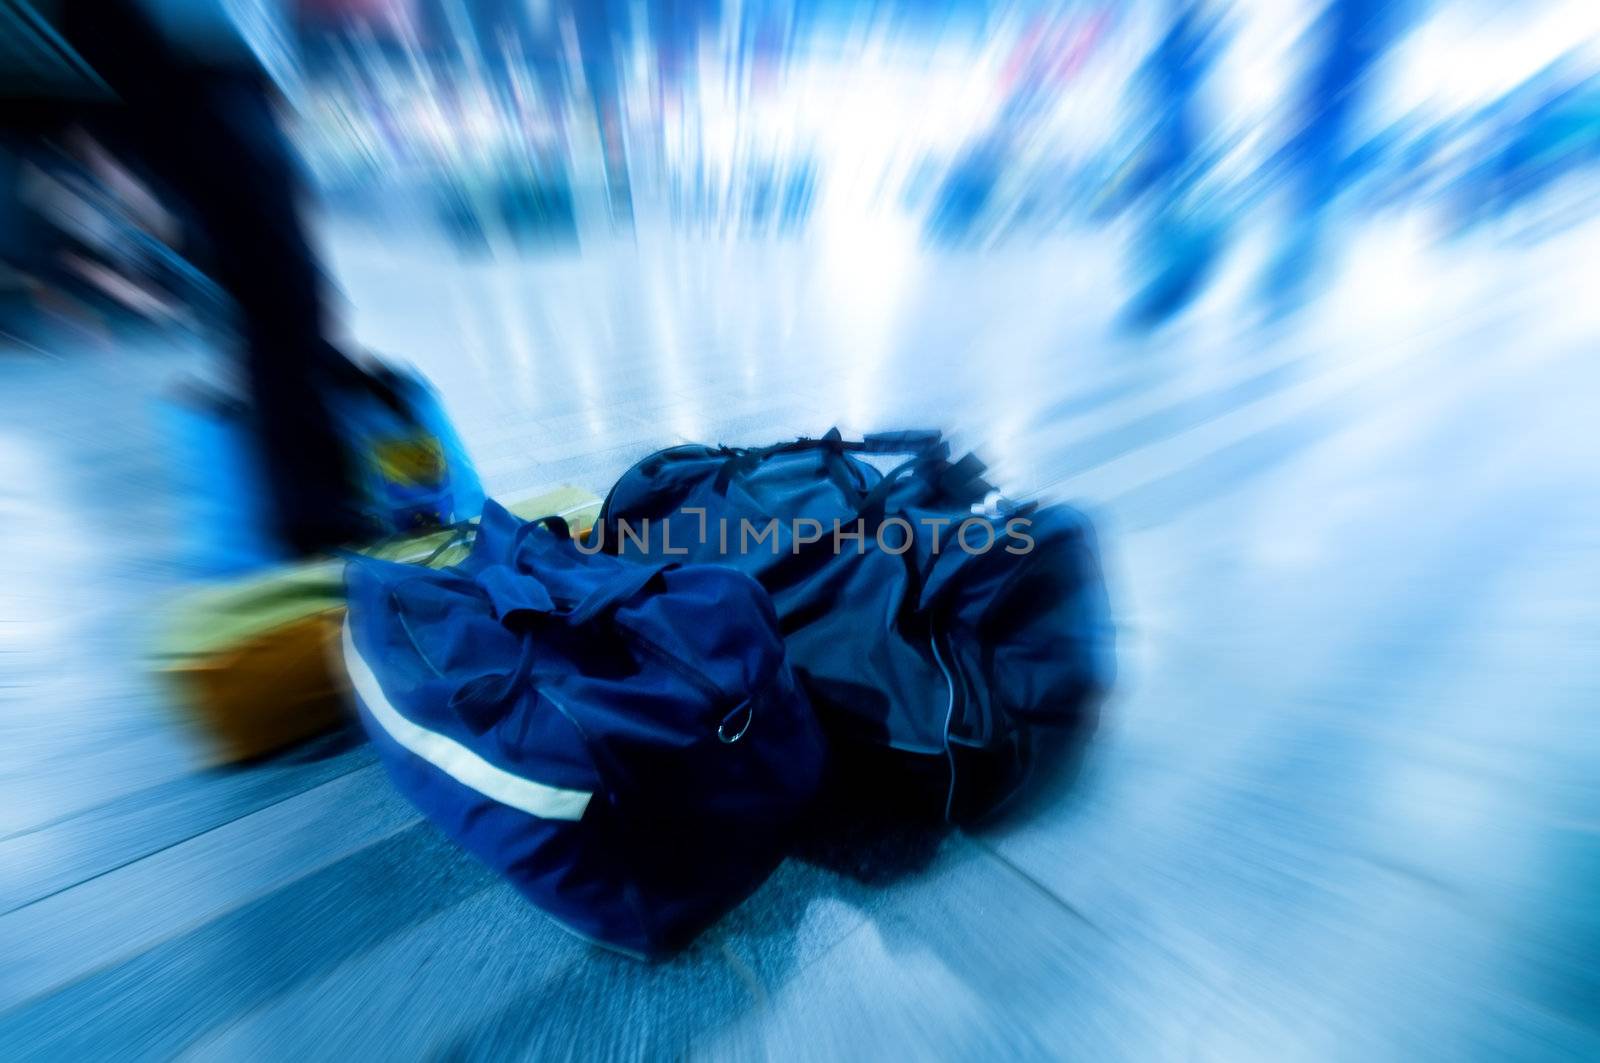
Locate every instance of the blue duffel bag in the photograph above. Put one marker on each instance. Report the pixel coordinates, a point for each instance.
(625, 743)
(947, 639)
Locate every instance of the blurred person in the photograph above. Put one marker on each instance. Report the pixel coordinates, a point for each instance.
(1349, 39)
(1175, 244)
(172, 89)
(1538, 133)
(1046, 58)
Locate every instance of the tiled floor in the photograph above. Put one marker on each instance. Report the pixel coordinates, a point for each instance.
(1343, 804)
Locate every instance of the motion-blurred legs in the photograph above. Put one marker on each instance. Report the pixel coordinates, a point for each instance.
(206, 131)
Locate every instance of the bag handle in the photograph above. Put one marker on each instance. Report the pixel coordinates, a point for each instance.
(515, 593)
(601, 602)
(960, 481)
(907, 441)
(456, 533)
(873, 503)
(482, 701)
(555, 525)
(500, 534)
(921, 442)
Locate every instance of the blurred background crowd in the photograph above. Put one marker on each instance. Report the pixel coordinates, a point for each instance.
(1189, 127)
(1295, 298)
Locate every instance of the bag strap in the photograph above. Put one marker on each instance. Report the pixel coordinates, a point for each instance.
(601, 602)
(922, 443)
(909, 441)
(960, 481)
(555, 525)
(514, 593)
(483, 701)
(872, 504)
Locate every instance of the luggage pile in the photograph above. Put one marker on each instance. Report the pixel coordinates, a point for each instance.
(633, 725)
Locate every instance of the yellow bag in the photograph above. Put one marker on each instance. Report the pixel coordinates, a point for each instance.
(254, 662)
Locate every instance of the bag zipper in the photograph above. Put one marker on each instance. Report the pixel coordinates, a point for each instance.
(718, 698)
(949, 717)
(693, 676)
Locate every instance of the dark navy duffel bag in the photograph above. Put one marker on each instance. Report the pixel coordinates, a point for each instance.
(626, 743)
(945, 637)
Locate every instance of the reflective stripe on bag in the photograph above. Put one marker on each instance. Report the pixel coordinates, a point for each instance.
(455, 759)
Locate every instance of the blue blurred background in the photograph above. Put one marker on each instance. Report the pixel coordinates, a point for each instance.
(1297, 298)
(1192, 133)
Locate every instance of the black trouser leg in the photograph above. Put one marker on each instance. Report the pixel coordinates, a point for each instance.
(208, 133)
